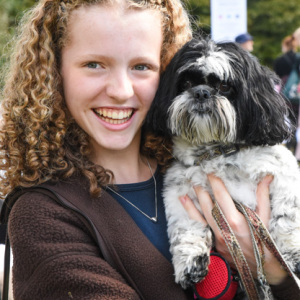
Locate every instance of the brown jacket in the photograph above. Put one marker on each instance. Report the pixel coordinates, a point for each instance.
(56, 253)
(56, 257)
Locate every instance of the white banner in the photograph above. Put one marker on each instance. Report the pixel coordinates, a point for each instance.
(228, 19)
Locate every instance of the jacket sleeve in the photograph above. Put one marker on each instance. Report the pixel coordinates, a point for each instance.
(55, 257)
(288, 289)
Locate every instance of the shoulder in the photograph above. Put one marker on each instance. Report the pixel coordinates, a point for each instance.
(53, 247)
(283, 64)
(36, 215)
(44, 207)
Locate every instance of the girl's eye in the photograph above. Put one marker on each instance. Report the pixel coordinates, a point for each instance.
(225, 88)
(141, 67)
(93, 65)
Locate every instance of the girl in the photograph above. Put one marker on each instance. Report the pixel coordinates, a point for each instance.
(83, 76)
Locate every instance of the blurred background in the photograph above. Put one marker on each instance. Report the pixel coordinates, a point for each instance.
(268, 21)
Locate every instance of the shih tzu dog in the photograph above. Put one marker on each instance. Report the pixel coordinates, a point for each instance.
(225, 117)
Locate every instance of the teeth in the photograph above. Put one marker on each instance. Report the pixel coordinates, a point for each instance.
(114, 116)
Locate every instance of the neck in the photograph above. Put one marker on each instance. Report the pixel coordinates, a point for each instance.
(128, 166)
(200, 153)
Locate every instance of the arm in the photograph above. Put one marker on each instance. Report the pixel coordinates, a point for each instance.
(56, 258)
(276, 276)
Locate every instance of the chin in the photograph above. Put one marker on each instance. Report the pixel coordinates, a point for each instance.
(221, 109)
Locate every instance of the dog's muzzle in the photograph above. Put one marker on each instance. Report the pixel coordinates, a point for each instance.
(203, 92)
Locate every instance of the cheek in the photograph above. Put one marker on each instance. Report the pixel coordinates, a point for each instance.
(74, 97)
(77, 91)
(70, 99)
(152, 88)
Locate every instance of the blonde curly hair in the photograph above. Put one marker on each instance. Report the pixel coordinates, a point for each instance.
(38, 139)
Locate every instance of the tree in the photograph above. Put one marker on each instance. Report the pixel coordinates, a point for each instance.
(200, 14)
(10, 14)
(269, 21)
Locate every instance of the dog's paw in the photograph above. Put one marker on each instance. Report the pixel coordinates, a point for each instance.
(195, 272)
(191, 250)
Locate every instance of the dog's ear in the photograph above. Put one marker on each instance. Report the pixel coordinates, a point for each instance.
(263, 113)
(268, 115)
(157, 117)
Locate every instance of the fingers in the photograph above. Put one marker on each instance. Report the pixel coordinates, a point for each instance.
(222, 196)
(191, 209)
(207, 205)
(263, 208)
(235, 219)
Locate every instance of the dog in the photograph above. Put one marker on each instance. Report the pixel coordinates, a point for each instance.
(221, 109)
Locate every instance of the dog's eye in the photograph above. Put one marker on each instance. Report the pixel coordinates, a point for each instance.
(187, 85)
(224, 88)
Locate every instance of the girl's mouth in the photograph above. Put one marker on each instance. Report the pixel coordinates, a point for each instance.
(114, 116)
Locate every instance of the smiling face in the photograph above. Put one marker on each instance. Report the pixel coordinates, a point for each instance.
(110, 70)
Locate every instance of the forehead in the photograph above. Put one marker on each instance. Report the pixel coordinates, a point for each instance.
(109, 32)
(119, 19)
(214, 61)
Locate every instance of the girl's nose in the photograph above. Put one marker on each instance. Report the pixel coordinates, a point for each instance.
(120, 86)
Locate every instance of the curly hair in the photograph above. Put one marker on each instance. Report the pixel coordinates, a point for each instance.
(38, 139)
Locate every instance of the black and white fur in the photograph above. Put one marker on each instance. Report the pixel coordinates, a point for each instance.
(218, 94)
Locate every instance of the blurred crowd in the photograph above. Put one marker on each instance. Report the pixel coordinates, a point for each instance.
(287, 67)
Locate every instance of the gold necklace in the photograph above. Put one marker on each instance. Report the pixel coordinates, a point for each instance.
(153, 219)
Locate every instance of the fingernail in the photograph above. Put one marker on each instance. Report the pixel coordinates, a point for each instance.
(268, 179)
(211, 176)
(182, 199)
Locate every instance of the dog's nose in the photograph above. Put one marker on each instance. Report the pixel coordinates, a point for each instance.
(202, 94)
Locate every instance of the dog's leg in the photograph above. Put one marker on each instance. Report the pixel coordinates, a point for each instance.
(284, 225)
(190, 252)
(190, 241)
(285, 221)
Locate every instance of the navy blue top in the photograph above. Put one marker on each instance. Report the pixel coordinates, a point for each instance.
(142, 194)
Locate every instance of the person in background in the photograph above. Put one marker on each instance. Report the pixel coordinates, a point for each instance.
(287, 44)
(283, 66)
(82, 78)
(296, 36)
(245, 40)
(284, 63)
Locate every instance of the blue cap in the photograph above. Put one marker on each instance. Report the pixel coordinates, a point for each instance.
(243, 38)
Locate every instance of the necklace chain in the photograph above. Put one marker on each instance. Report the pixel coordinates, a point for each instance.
(153, 219)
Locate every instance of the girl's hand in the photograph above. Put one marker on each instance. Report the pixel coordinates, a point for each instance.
(273, 270)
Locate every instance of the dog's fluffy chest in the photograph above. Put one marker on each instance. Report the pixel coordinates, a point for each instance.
(240, 172)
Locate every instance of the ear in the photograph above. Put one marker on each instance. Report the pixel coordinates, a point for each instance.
(265, 112)
(157, 117)
(262, 112)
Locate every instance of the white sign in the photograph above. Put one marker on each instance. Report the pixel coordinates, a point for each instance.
(228, 19)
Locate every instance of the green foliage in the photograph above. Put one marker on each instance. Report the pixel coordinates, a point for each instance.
(200, 13)
(269, 21)
(10, 13)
